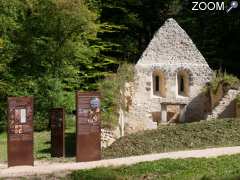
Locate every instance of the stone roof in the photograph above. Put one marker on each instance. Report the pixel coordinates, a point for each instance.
(172, 45)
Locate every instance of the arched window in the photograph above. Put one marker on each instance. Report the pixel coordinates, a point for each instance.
(159, 84)
(183, 85)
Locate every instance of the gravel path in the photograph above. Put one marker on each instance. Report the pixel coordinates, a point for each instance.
(41, 168)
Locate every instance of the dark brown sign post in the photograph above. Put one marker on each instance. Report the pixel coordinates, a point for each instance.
(88, 145)
(57, 132)
(20, 131)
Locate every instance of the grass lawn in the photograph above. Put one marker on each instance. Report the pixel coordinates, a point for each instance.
(198, 135)
(225, 167)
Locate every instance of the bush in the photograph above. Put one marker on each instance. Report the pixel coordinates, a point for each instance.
(227, 79)
(48, 93)
(51, 94)
(238, 99)
(111, 89)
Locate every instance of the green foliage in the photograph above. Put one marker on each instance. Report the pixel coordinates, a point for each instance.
(79, 42)
(220, 78)
(238, 99)
(51, 94)
(225, 167)
(138, 19)
(111, 90)
(48, 49)
(224, 78)
(209, 30)
(204, 134)
(12, 13)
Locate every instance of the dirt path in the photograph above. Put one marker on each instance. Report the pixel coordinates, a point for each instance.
(49, 167)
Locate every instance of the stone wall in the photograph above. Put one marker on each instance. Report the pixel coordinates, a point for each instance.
(170, 51)
(108, 137)
(144, 103)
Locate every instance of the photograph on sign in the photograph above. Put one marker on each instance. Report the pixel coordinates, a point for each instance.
(21, 115)
(88, 140)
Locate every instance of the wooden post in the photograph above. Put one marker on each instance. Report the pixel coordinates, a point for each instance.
(57, 121)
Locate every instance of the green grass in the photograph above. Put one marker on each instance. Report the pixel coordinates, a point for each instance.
(3, 146)
(225, 167)
(42, 143)
(196, 135)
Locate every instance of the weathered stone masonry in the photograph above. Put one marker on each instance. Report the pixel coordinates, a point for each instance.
(168, 81)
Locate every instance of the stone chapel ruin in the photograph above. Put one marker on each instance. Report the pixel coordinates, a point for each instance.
(169, 78)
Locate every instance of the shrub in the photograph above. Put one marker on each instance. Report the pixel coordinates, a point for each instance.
(111, 89)
(238, 99)
(223, 77)
(51, 94)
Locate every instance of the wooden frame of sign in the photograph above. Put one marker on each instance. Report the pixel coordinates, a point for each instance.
(57, 122)
(20, 131)
(88, 133)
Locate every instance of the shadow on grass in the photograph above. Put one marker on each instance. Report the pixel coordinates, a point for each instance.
(45, 151)
(70, 144)
(47, 142)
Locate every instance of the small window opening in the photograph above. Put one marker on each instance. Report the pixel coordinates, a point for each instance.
(157, 83)
(183, 84)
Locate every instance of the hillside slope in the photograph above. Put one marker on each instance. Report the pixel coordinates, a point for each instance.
(214, 133)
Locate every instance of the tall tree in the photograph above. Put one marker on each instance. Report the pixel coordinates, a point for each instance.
(12, 13)
(138, 20)
(49, 51)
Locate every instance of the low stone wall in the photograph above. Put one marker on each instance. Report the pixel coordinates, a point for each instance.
(108, 137)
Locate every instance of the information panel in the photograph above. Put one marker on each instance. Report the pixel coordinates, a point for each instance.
(57, 121)
(20, 131)
(88, 135)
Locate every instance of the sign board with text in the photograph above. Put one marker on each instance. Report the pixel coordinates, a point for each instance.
(20, 131)
(88, 136)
